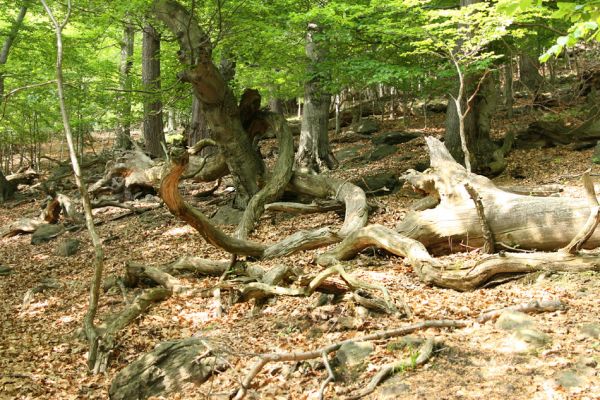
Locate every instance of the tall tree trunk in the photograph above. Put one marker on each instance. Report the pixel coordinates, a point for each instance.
(124, 128)
(12, 34)
(199, 127)
(476, 124)
(218, 102)
(6, 188)
(529, 74)
(508, 86)
(472, 119)
(314, 153)
(153, 118)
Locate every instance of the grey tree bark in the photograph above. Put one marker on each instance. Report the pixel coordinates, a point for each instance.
(508, 86)
(6, 188)
(8, 42)
(199, 127)
(153, 118)
(529, 74)
(124, 127)
(314, 154)
(218, 102)
(476, 124)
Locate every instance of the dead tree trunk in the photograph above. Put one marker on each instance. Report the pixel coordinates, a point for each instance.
(153, 119)
(126, 63)
(314, 153)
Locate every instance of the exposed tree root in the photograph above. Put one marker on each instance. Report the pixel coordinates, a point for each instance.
(465, 277)
(301, 208)
(425, 352)
(264, 359)
(353, 197)
(531, 307)
(107, 331)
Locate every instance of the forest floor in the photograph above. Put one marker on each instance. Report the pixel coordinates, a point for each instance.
(42, 357)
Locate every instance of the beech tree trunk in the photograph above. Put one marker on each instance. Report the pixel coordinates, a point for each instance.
(153, 118)
(476, 125)
(12, 35)
(124, 128)
(508, 87)
(529, 74)
(314, 153)
(218, 102)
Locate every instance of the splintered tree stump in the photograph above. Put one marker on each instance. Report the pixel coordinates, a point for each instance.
(167, 369)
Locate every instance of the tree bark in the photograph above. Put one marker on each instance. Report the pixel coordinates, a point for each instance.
(124, 128)
(526, 222)
(12, 35)
(476, 124)
(88, 321)
(314, 153)
(529, 74)
(6, 188)
(153, 118)
(508, 87)
(218, 102)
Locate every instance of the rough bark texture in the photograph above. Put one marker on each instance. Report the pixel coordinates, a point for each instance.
(529, 74)
(126, 63)
(314, 153)
(218, 102)
(153, 118)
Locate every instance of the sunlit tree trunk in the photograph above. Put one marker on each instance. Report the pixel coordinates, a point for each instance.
(124, 127)
(314, 153)
(153, 115)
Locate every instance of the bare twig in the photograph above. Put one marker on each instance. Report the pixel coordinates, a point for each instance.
(330, 375)
(425, 352)
(264, 359)
(488, 236)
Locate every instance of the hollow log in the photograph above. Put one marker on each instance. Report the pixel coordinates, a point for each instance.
(519, 221)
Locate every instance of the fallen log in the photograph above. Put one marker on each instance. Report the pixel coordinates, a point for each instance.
(525, 222)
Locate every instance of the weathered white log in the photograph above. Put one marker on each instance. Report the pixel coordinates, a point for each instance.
(527, 222)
